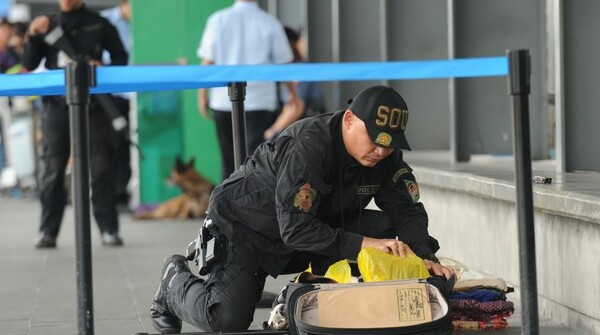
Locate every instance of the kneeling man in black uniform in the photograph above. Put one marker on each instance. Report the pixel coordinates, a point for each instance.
(301, 198)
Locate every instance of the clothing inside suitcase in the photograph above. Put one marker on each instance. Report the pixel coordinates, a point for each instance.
(351, 308)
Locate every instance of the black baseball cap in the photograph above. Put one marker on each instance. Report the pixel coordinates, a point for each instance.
(385, 115)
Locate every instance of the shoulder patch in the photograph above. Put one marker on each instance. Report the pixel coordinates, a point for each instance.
(305, 197)
(399, 174)
(413, 190)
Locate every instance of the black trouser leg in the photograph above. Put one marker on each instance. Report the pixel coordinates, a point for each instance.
(56, 149)
(225, 137)
(103, 144)
(256, 124)
(123, 167)
(225, 302)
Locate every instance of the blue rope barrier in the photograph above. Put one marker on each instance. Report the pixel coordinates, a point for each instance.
(138, 78)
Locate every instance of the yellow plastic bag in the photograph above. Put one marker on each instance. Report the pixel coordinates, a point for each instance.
(376, 265)
(340, 272)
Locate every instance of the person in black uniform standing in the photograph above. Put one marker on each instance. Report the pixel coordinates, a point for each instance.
(301, 198)
(89, 35)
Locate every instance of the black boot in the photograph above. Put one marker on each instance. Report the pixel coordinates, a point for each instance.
(162, 318)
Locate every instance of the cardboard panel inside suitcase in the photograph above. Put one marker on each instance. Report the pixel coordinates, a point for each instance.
(371, 305)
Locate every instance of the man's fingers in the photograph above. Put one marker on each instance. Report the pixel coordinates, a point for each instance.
(438, 269)
(205, 113)
(393, 249)
(434, 267)
(398, 248)
(403, 249)
(447, 272)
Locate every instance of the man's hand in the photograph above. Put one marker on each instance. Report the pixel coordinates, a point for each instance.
(438, 269)
(394, 247)
(269, 133)
(203, 103)
(203, 96)
(39, 25)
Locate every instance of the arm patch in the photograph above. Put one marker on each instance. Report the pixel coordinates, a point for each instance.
(305, 197)
(413, 190)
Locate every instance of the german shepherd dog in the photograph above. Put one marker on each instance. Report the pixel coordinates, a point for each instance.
(192, 203)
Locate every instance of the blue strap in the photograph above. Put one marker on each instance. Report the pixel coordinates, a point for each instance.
(115, 79)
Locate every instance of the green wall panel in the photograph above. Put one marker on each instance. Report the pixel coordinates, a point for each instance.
(168, 32)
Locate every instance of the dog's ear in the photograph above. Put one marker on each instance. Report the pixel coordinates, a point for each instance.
(179, 165)
(190, 164)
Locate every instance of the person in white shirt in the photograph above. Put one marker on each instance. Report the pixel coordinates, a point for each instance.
(244, 34)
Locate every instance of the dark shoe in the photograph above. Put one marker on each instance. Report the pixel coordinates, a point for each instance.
(44, 241)
(111, 240)
(162, 318)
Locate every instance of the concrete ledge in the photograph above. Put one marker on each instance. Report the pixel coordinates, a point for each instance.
(474, 217)
(562, 202)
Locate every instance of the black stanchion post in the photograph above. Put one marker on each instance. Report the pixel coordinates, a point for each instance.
(78, 77)
(237, 95)
(519, 88)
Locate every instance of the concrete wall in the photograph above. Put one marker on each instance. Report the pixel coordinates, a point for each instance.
(581, 73)
(488, 28)
(358, 30)
(474, 219)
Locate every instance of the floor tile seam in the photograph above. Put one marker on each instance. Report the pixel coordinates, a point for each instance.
(131, 289)
(42, 323)
(38, 289)
(74, 320)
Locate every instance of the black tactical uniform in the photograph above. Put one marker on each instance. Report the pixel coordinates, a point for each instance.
(310, 155)
(89, 34)
(299, 198)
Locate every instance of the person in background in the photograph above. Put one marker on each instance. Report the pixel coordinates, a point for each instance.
(309, 92)
(238, 35)
(9, 58)
(119, 17)
(17, 40)
(9, 63)
(89, 34)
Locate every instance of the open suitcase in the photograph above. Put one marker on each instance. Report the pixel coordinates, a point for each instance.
(392, 307)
